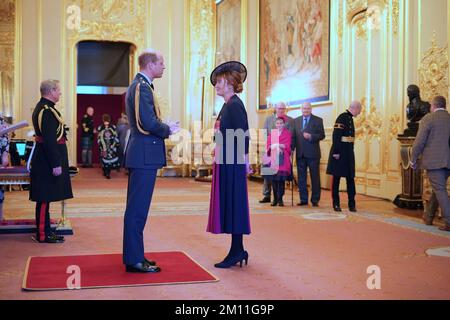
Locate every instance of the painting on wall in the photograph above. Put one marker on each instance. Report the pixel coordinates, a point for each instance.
(228, 36)
(228, 25)
(293, 51)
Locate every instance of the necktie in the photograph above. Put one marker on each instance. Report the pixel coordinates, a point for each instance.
(305, 123)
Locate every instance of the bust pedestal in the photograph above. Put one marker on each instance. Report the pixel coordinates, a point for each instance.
(412, 180)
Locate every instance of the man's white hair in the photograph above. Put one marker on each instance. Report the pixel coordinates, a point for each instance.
(280, 105)
(355, 104)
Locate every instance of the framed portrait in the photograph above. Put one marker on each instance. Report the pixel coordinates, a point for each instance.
(228, 36)
(294, 46)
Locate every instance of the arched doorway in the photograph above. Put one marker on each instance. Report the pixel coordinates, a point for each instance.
(104, 71)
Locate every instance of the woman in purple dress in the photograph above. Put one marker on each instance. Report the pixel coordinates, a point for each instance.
(229, 209)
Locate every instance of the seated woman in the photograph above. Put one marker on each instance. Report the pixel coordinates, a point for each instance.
(279, 156)
(108, 143)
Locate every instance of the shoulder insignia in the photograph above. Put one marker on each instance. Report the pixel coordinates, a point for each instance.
(339, 126)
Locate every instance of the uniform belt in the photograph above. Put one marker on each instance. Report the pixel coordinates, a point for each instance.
(40, 139)
(348, 139)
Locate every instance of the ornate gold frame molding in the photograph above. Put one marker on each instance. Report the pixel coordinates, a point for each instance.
(358, 12)
(433, 71)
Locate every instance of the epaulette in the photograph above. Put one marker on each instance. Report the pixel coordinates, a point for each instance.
(60, 130)
(339, 126)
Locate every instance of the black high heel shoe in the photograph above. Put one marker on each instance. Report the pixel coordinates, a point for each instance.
(231, 261)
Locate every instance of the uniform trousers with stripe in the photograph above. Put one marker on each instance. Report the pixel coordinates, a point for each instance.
(43, 228)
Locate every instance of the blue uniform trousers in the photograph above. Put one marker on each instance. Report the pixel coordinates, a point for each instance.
(141, 183)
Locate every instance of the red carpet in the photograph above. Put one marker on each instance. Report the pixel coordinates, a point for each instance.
(107, 270)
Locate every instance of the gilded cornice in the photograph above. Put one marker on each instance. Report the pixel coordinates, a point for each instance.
(111, 20)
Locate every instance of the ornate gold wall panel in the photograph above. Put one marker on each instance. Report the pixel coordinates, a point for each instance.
(200, 56)
(433, 72)
(7, 51)
(369, 30)
(110, 20)
(354, 7)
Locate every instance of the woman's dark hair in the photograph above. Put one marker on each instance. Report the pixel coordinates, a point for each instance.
(106, 117)
(234, 79)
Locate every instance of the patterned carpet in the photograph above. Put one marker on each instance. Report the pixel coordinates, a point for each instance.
(295, 252)
(95, 196)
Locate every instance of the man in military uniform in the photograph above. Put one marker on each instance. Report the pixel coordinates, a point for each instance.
(87, 137)
(144, 155)
(341, 162)
(50, 180)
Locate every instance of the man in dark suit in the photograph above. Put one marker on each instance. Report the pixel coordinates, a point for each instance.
(87, 137)
(50, 180)
(432, 144)
(307, 134)
(145, 154)
(341, 162)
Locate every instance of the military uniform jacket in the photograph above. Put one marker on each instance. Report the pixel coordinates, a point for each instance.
(145, 148)
(49, 154)
(343, 134)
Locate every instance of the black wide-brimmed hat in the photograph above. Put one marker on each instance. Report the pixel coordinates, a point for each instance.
(228, 66)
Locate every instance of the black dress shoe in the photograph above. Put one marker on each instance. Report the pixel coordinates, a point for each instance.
(352, 209)
(51, 238)
(274, 204)
(337, 208)
(265, 200)
(58, 237)
(302, 203)
(445, 227)
(150, 262)
(142, 267)
(315, 204)
(280, 203)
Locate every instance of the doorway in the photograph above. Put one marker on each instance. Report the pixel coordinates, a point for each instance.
(104, 71)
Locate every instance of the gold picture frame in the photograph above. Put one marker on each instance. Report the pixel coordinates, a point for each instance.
(294, 47)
